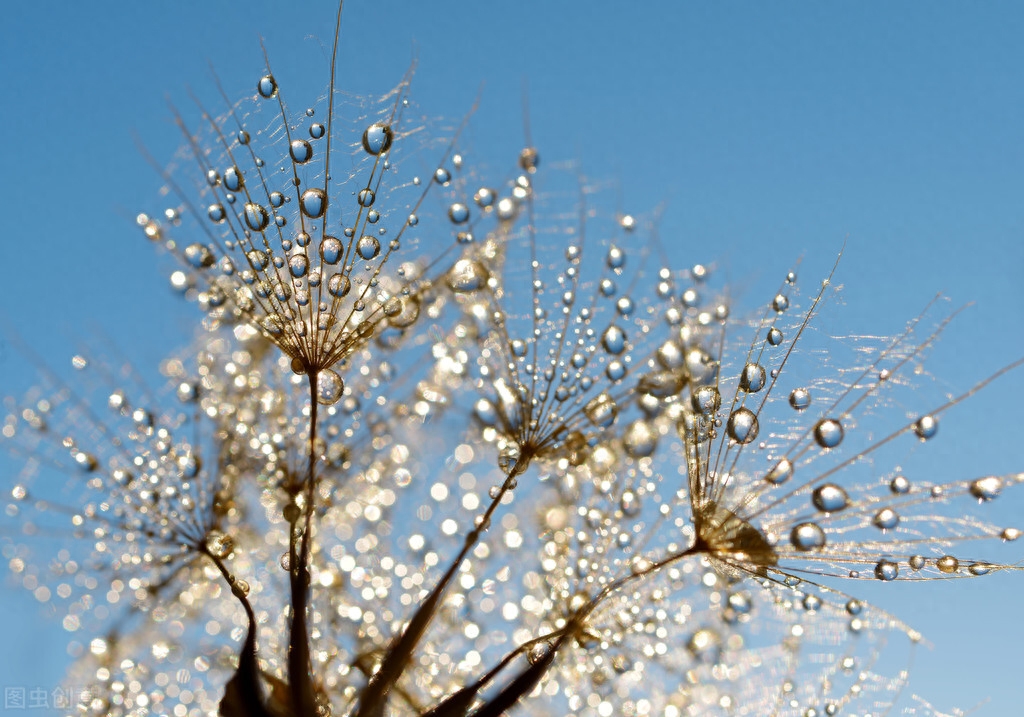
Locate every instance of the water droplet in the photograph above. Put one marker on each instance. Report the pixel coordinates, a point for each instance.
(854, 606)
(601, 410)
(828, 432)
(780, 472)
(466, 276)
(780, 303)
(947, 564)
(916, 562)
(629, 503)
(377, 138)
(529, 160)
(219, 544)
(409, 311)
(233, 180)
(316, 130)
(829, 498)
(614, 340)
(926, 427)
(216, 213)
(239, 588)
(886, 519)
(752, 378)
(329, 387)
(258, 259)
(366, 198)
(330, 250)
(616, 257)
(256, 216)
(298, 264)
(484, 197)
(706, 400)
(339, 285)
(886, 570)
(807, 536)
(267, 86)
(458, 213)
(313, 203)
(199, 256)
(538, 652)
(899, 485)
(986, 488)
(742, 426)
(800, 398)
(774, 336)
(662, 384)
(301, 151)
(640, 439)
(1009, 534)
(368, 247)
(442, 176)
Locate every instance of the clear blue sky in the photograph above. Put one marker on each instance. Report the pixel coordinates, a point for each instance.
(769, 131)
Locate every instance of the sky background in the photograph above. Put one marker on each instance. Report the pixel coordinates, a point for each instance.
(767, 131)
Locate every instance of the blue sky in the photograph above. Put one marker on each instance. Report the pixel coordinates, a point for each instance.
(768, 132)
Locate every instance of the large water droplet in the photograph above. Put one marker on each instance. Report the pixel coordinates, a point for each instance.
(706, 400)
(219, 544)
(368, 247)
(313, 203)
(828, 432)
(329, 387)
(256, 216)
(466, 276)
(780, 472)
(407, 314)
(233, 180)
(926, 427)
(899, 485)
(753, 377)
(301, 151)
(614, 340)
(199, 256)
(339, 285)
(298, 265)
(601, 410)
(742, 426)
(330, 250)
(986, 488)
(316, 130)
(258, 259)
(640, 439)
(829, 498)
(216, 213)
(366, 198)
(886, 570)
(886, 519)
(807, 536)
(529, 160)
(458, 213)
(377, 138)
(267, 87)
(800, 398)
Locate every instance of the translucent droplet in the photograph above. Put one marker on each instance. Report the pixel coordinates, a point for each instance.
(800, 398)
(484, 197)
(807, 536)
(886, 519)
(780, 303)
(780, 472)
(640, 439)
(601, 410)
(662, 384)
(886, 570)
(329, 387)
(529, 160)
(616, 257)
(916, 562)
(219, 544)
(368, 247)
(829, 498)
(330, 250)
(199, 256)
(753, 378)
(1009, 534)
(458, 213)
(298, 265)
(258, 259)
(366, 198)
(233, 180)
(313, 202)
(301, 151)
(774, 336)
(466, 276)
(742, 426)
(828, 432)
(240, 588)
(339, 285)
(899, 485)
(377, 138)
(614, 340)
(316, 130)
(216, 213)
(409, 311)
(706, 400)
(267, 86)
(986, 488)
(442, 176)
(256, 216)
(926, 427)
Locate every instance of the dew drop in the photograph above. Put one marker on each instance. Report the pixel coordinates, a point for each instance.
(301, 151)
(947, 564)
(366, 198)
(752, 378)
(1009, 534)
(640, 439)
(601, 410)
(886, 519)
(926, 427)
(267, 87)
(239, 588)
(807, 536)
(616, 257)
(409, 311)
(368, 247)
(298, 265)
(377, 138)
(774, 336)
(985, 489)
(330, 250)
(313, 202)
(339, 285)
(615, 370)
(899, 485)
(529, 160)
(780, 303)
(329, 387)
(829, 498)
(780, 472)
(442, 176)
(219, 544)
(258, 259)
(199, 256)
(614, 340)
(916, 562)
(828, 432)
(484, 197)
(316, 130)
(216, 213)
(467, 276)
(742, 426)
(706, 400)
(886, 570)
(256, 216)
(800, 398)
(458, 213)
(233, 180)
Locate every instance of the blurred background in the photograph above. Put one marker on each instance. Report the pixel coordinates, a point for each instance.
(761, 134)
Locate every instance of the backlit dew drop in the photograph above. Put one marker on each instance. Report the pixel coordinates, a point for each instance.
(442, 176)
(368, 247)
(1009, 534)
(807, 536)
(899, 485)
(616, 257)
(458, 213)
(267, 87)
(985, 489)
(377, 138)
(753, 377)
(829, 498)
(407, 313)
(742, 426)
(640, 439)
(800, 398)
(313, 203)
(258, 259)
(926, 427)
(466, 276)
(484, 197)
(947, 564)
(233, 180)
(256, 216)
(216, 213)
(706, 400)
(366, 198)
(886, 570)
(828, 433)
(529, 160)
(774, 336)
(298, 265)
(330, 250)
(886, 519)
(316, 130)
(339, 285)
(243, 137)
(780, 303)
(601, 410)
(916, 562)
(614, 340)
(219, 544)
(301, 151)
(240, 588)
(199, 256)
(329, 387)
(780, 472)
